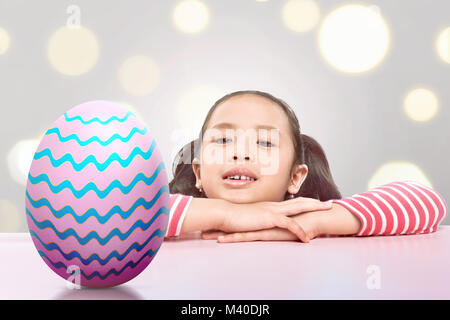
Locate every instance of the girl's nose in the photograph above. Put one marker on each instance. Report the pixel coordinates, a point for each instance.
(244, 149)
(242, 153)
(235, 157)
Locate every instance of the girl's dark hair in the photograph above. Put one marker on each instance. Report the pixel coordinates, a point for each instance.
(318, 184)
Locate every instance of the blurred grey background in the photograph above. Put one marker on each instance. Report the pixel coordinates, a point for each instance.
(169, 61)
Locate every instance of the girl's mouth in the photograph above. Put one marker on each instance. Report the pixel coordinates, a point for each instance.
(238, 181)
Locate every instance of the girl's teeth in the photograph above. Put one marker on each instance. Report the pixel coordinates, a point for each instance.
(241, 178)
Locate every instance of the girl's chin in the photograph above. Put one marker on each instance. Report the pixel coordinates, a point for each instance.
(239, 196)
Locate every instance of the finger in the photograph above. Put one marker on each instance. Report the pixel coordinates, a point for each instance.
(303, 200)
(293, 226)
(239, 237)
(275, 234)
(294, 206)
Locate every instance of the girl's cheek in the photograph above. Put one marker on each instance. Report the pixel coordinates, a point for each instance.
(212, 155)
(270, 163)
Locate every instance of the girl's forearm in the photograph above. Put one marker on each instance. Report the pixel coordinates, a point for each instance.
(338, 221)
(207, 214)
(204, 214)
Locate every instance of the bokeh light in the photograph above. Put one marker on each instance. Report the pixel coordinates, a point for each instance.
(421, 104)
(354, 38)
(9, 217)
(193, 107)
(20, 158)
(300, 15)
(443, 45)
(398, 171)
(4, 41)
(191, 16)
(139, 75)
(73, 51)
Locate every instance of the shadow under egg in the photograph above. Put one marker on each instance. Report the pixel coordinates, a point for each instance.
(85, 293)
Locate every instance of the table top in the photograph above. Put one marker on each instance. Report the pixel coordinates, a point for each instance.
(377, 267)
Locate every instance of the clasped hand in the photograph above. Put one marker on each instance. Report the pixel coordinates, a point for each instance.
(286, 220)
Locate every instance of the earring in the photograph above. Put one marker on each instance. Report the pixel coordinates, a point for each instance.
(291, 196)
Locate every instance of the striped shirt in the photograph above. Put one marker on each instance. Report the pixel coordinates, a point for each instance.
(403, 207)
(179, 203)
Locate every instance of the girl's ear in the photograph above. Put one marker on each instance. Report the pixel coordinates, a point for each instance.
(298, 175)
(196, 170)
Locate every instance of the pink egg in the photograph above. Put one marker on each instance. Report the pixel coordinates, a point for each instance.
(97, 196)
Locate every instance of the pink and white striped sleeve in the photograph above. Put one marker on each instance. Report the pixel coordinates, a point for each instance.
(403, 207)
(179, 204)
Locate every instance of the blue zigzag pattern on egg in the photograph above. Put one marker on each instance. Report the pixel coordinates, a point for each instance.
(131, 264)
(95, 138)
(91, 186)
(66, 184)
(95, 257)
(93, 234)
(67, 118)
(91, 159)
(92, 212)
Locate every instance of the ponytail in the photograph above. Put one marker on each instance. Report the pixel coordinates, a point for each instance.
(319, 182)
(183, 176)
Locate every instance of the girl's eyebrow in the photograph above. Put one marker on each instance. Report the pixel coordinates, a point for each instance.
(232, 125)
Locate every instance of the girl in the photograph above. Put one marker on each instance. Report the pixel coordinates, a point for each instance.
(280, 188)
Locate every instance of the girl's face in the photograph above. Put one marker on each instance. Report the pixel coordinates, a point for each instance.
(251, 132)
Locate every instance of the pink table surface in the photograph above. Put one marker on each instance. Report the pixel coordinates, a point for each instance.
(405, 267)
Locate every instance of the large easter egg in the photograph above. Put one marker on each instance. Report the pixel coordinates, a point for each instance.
(97, 196)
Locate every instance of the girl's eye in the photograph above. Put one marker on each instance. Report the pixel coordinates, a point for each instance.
(267, 142)
(221, 140)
